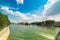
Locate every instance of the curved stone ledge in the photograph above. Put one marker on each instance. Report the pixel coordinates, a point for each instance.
(4, 34)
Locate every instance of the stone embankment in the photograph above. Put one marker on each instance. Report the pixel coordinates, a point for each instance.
(4, 34)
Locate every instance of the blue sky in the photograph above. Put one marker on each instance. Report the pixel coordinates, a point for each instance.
(27, 6)
(30, 10)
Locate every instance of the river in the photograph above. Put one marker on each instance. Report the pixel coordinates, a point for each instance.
(32, 32)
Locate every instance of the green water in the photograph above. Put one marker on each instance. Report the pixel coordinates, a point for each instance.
(32, 32)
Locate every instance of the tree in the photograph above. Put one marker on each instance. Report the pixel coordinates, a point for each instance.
(3, 20)
(49, 22)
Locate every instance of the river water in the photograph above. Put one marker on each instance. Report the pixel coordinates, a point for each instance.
(32, 32)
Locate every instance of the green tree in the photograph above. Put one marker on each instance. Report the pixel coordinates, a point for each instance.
(49, 22)
(3, 20)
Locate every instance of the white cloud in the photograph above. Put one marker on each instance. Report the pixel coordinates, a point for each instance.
(16, 13)
(22, 16)
(52, 10)
(47, 6)
(5, 8)
(20, 1)
(54, 17)
(13, 21)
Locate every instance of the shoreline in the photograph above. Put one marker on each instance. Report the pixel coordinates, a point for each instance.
(4, 34)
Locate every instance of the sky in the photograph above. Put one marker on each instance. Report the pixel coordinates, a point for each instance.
(30, 10)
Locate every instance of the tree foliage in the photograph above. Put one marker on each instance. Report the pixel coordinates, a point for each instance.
(3, 20)
(49, 22)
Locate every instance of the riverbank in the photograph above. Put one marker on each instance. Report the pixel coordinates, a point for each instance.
(4, 34)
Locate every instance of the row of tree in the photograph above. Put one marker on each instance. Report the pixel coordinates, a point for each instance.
(43, 23)
(4, 21)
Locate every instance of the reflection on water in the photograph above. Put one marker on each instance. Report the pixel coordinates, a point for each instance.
(33, 32)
